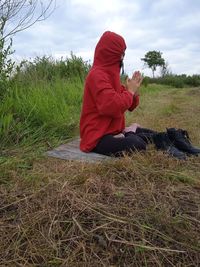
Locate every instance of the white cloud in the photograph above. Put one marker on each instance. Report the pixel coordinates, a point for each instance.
(170, 26)
(101, 7)
(189, 21)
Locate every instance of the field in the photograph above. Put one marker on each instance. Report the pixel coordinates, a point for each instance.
(142, 210)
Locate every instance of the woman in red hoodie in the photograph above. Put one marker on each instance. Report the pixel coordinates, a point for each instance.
(105, 101)
(102, 122)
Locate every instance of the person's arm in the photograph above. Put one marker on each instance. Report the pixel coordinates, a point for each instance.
(108, 101)
(133, 85)
(135, 99)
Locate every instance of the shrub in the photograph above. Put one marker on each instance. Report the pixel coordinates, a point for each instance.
(48, 69)
(178, 81)
(6, 66)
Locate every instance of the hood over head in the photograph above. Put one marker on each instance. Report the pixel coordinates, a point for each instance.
(109, 49)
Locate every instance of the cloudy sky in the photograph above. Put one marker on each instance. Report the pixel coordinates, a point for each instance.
(169, 26)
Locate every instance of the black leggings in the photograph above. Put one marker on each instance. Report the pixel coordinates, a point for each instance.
(116, 146)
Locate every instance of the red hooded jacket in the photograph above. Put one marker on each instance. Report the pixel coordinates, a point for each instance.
(105, 100)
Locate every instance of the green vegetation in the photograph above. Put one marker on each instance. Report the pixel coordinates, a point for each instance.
(153, 59)
(178, 81)
(141, 210)
(44, 102)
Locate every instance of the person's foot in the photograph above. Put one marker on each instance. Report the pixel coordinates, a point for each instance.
(162, 142)
(181, 140)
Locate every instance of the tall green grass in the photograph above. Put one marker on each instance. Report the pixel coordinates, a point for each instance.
(48, 108)
(45, 101)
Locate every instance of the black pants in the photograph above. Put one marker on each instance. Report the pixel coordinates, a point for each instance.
(110, 145)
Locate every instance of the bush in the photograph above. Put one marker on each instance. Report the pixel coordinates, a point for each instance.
(48, 69)
(193, 80)
(146, 81)
(178, 81)
(6, 66)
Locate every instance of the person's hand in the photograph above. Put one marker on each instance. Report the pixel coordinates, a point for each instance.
(132, 128)
(134, 83)
(120, 135)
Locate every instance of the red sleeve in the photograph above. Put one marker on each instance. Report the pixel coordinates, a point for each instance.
(135, 103)
(108, 101)
(135, 99)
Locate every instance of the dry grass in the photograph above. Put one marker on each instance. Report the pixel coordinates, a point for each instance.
(142, 210)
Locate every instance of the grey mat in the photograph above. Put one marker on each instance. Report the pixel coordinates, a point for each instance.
(71, 151)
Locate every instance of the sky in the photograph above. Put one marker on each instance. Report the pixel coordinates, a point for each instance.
(169, 26)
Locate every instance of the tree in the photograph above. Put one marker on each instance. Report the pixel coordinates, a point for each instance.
(153, 59)
(16, 16)
(6, 65)
(165, 70)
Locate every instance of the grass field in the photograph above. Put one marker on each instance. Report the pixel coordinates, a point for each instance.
(142, 210)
